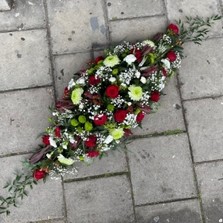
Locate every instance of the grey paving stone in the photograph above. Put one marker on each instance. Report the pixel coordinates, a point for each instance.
(5, 5)
(205, 122)
(114, 162)
(210, 180)
(119, 9)
(176, 212)
(137, 29)
(179, 9)
(49, 221)
(45, 201)
(201, 73)
(169, 115)
(24, 59)
(23, 115)
(66, 66)
(161, 169)
(104, 200)
(24, 15)
(75, 25)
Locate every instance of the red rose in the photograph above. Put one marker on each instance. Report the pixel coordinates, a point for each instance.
(173, 28)
(92, 80)
(98, 59)
(39, 174)
(91, 141)
(93, 153)
(155, 96)
(140, 117)
(46, 139)
(164, 71)
(171, 55)
(112, 91)
(100, 119)
(120, 115)
(57, 132)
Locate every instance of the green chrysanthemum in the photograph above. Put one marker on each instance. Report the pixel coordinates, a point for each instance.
(135, 92)
(111, 61)
(66, 161)
(76, 95)
(117, 133)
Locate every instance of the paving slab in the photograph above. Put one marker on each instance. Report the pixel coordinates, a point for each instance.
(75, 25)
(169, 115)
(66, 66)
(114, 162)
(205, 121)
(24, 60)
(34, 207)
(103, 200)
(23, 116)
(49, 221)
(176, 212)
(161, 169)
(121, 9)
(5, 5)
(179, 9)
(210, 181)
(24, 15)
(137, 29)
(201, 73)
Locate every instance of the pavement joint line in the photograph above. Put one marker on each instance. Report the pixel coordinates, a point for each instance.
(50, 48)
(204, 97)
(166, 12)
(203, 219)
(22, 30)
(15, 154)
(167, 201)
(106, 175)
(105, 13)
(47, 220)
(130, 181)
(25, 88)
(208, 161)
(137, 17)
(64, 201)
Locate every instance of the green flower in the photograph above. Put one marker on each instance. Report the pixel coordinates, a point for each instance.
(76, 95)
(66, 161)
(135, 92)
(111, 61)
(74, 122)
(110, 107)
(115, 71)
(116, 133)
(88, 126)
(82, 119)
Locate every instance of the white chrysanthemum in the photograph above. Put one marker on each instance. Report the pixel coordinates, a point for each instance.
(112, 79)
(135, 92)
(109, 139)
(52, 142)
(71, 84)
(137, 74)
(130, 59)
(80, 81)
(143, 80)
(111, 61)
(149, 42)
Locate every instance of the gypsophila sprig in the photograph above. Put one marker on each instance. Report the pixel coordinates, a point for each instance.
(103, 103)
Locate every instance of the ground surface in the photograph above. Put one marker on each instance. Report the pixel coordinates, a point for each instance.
(172, 177)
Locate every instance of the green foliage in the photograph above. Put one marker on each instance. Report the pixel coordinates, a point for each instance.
(17, 191)
(195, 29)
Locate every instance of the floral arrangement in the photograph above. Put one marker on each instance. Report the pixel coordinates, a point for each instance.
(103, 103)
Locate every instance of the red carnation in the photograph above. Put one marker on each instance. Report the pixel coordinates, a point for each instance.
(173, 28)
(98, 59)
(57, 132)
(164, 71)
(120, 115)
(46, 139)
(93, 153)
(155, 96)
(91, 141)
(92, 80)
(171, 55)
(140, 117)
(112, 91)
(39, 174)
(100, 119)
